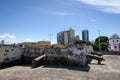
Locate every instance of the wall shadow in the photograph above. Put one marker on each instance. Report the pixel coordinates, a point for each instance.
(70, 67)
(97, 64)
(77, 68)
(5, 66)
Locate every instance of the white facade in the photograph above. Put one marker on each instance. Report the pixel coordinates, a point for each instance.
(114, 43)
(10, 53)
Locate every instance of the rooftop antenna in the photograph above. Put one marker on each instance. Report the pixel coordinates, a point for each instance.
(99, 40)
(50, 37)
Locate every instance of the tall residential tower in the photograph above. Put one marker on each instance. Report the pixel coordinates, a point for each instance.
(85, 35)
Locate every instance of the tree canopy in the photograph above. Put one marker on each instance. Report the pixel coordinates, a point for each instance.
(101, 43)
(101, 39)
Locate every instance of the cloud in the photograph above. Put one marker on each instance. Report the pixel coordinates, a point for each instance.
(9, 39)
(62, 13)
(27, 40)
(110, 6)
(59, 13)
(7, 36)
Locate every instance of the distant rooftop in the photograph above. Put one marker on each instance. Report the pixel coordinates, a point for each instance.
(115, 36)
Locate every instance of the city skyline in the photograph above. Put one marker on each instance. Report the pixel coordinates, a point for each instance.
(29, 20)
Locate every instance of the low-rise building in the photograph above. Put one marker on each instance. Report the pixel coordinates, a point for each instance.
(44, 43)
(77, 38)
(114, 43)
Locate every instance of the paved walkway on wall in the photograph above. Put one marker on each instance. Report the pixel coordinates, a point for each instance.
(109, 70)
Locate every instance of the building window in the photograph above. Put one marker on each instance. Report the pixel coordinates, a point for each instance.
(12, 49)
(115, 46)
(6, 50)
(5, 54)
(117, 40)
(113, 41)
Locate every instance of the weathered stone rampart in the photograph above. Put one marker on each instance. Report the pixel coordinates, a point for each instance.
(73, 54)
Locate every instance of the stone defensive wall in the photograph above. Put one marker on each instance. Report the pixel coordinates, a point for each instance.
(72, 54)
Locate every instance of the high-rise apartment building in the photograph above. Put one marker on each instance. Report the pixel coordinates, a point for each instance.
(60, 38)
(66, 37)
(71, 34)
(85, 35)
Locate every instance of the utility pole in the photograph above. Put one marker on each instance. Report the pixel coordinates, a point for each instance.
(50, 37)
(99, 40)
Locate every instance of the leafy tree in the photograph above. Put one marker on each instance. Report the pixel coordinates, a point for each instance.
(96, 47)
(101, 39)
(104, 46)
(101, 43)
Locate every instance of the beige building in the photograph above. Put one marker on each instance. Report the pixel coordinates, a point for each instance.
(71, 33)
(44, 42)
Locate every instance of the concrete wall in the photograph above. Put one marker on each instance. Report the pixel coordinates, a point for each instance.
(10, 53)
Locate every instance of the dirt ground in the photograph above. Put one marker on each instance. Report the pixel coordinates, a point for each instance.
(109, 70)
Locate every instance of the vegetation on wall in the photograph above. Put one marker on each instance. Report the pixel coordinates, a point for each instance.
(83, 42)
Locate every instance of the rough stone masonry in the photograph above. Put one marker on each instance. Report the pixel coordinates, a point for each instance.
(72, 55)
